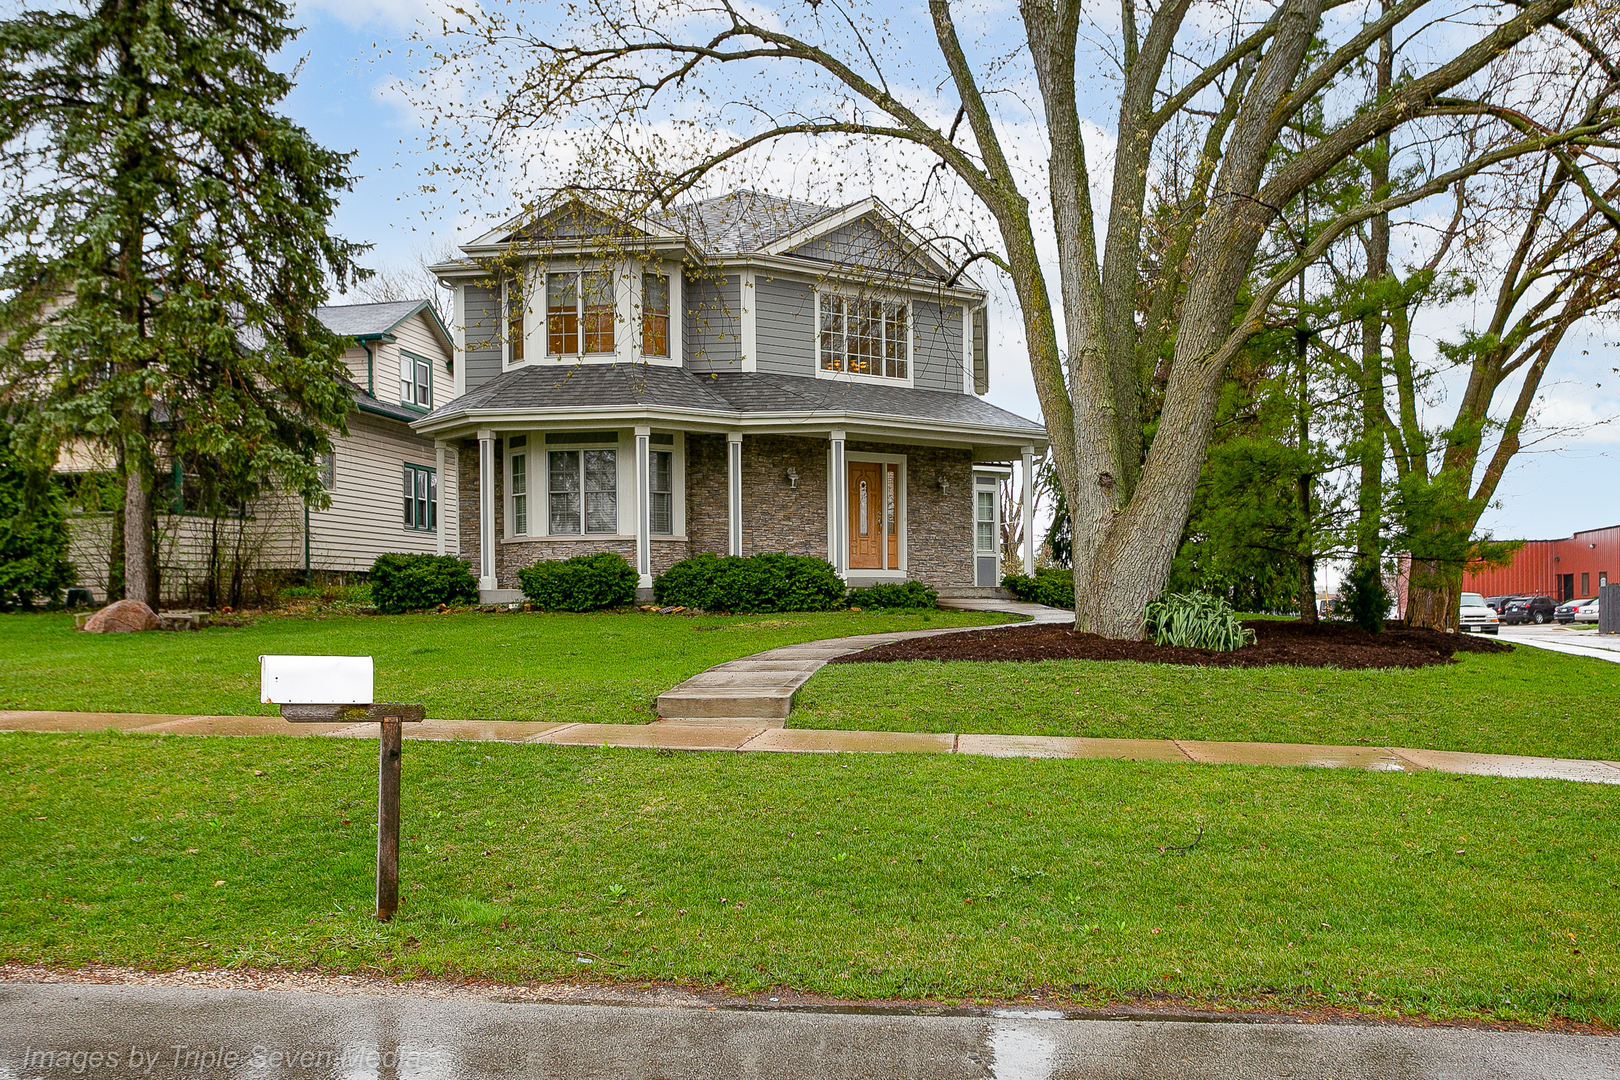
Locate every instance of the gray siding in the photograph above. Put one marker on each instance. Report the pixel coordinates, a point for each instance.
(711, 325)
(785, 325)
(937, 346)
(482, 307)
(859, 243)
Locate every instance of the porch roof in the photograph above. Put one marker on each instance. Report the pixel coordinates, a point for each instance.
(598, 389)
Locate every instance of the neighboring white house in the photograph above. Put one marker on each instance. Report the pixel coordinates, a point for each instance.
(388, 485)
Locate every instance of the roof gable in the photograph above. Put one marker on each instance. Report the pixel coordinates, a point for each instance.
(865, 242)
(382, 319)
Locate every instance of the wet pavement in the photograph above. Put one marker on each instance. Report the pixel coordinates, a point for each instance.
(1580, 639)
(56, 1029)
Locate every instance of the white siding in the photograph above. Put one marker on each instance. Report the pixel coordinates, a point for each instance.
(366, 518)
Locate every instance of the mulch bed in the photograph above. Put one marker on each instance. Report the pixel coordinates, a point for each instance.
(1296, 644)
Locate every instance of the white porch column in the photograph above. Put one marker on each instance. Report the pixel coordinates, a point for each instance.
(441, 540)
(734, 543)
(486, 509)
(838, 508)
(1029, 511)
(644, 507)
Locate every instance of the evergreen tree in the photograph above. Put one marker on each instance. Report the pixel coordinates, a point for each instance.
(33, 534)
(166, 244)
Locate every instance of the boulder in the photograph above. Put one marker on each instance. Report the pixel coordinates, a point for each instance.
(122, 618)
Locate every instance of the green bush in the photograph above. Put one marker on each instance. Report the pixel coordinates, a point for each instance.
(907, 594)
(687, 583)
(770, 581)
(583, 583)
(417, 582)
(1052, 586)
(1195, 621)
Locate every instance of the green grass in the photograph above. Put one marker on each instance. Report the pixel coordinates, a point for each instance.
(873, 875)
(1529, 701)
(605, 668)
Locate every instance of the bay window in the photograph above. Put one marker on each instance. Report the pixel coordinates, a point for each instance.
(583, 491)
(579, 313)
(654, 315)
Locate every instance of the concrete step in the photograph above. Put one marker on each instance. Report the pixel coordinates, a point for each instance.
(703, 702)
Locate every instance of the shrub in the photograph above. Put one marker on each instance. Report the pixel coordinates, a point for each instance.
(687, 583)
(1364, 597)
(416, 582)
(770, 581)
(1052, 586)
(907, 594)
(1195, 621)
(583, 583)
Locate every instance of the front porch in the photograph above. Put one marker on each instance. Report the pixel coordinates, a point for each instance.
(924, 510)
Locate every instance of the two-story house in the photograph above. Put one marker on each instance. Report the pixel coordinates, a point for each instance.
(741, 374)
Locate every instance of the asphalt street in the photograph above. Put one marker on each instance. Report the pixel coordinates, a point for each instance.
(118, 1031)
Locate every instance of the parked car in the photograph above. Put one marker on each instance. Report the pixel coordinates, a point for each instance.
(1475, 617)
(1532, 609)
(1575, 611)
(1496, 603)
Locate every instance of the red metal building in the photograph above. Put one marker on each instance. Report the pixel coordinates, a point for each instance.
(1572, 569)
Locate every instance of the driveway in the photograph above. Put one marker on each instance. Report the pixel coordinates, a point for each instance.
(55, 1029)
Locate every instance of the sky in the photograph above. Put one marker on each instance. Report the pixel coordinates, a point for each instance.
(353, 54)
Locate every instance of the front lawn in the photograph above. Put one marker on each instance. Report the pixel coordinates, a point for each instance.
(1529, 701)
(604, 668)
(852, 875)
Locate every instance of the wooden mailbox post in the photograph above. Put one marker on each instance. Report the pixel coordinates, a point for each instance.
(338, 689)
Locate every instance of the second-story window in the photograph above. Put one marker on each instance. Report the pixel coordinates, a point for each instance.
(654, 315)
(579, 312)
(415, 381)
(514, 322)
(864, 337)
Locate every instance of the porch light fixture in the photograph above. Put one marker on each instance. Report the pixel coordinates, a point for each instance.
(944, 485)
(793, 477)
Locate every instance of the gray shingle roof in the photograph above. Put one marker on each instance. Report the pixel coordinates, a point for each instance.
(352, 320)
(630, 386)
(743, 221)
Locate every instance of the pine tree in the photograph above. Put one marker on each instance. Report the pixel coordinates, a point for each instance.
(166, 244)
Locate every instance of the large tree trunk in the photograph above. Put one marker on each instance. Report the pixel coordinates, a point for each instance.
(1433, 595)
(140, 527)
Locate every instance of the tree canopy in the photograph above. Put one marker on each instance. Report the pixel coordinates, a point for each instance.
(1142, 176)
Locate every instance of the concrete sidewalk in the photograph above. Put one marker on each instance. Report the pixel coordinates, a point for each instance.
(755, 736)
(50, 1029)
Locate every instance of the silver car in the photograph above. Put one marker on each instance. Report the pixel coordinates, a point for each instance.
(1476, 617)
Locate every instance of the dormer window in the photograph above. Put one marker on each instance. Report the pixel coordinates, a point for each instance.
(579, 311)
(654, 315)
(865, 337)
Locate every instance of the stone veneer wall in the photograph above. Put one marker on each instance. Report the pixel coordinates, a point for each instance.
(776, 517)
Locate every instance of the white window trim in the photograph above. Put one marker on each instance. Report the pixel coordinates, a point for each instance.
(539, 439)
(504, 327)
(672, 273)
(508, 515)
(974, 554)
(846, 376)
(900, 509)
(677, 484)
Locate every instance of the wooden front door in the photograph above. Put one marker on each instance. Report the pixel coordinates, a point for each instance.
(866, 516)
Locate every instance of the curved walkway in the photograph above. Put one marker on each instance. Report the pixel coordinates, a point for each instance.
(759, 689)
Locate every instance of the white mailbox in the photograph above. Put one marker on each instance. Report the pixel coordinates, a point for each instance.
(315, 680)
